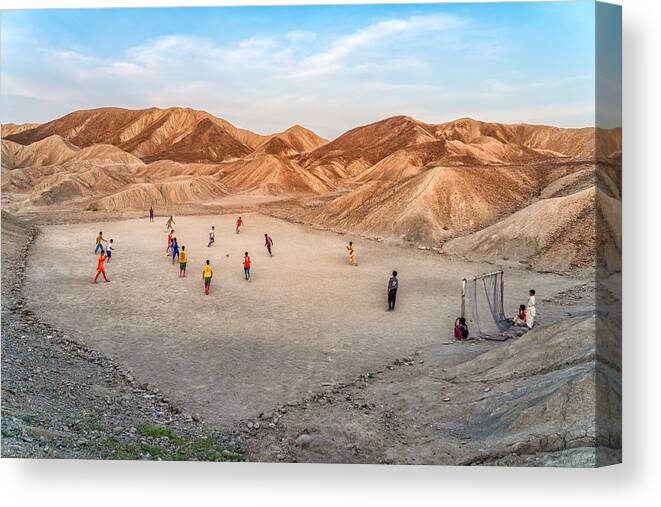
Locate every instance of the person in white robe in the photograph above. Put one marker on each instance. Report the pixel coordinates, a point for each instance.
(531, 310)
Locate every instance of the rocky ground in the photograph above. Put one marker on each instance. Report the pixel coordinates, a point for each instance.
(63, 400)
(526, 402)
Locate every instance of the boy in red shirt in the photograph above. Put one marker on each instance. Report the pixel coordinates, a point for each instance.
(520, 319)
(239, 224)
(169, 247)
(460, 329)
(246, 266)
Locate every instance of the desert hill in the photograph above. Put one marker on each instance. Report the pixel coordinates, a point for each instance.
(169, 168)
(462, 142)
(181, 190)
(427, 207)
(292, 141)
(555, 234)
(180, 134)
(206, 142)
(373, 142)
(461, 177)
(52, 171)
(474, 189)
(544, 217)
(272, 175)
(576, 144)
(16, 128)
(54, 150)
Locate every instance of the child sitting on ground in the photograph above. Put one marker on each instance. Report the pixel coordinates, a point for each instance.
(460, 329)
(520, 318)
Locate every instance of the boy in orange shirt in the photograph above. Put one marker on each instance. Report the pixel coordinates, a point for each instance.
(100, 267)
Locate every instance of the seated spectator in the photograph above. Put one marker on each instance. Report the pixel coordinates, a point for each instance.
(520, 319)
(460, 329)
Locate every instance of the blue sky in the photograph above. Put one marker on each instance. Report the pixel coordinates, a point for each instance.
(329, 68)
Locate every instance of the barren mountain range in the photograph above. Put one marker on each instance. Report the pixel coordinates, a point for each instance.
(526, 194)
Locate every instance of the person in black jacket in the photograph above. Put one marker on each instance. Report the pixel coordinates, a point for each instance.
(393, 284)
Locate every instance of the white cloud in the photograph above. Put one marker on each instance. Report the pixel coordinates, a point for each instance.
(335, 57)
(13, 86)
(565, 113)
(523, 85)
(127, 69)
(173, 52)
(260, 43)
(166, 49)
(393, 64)
(401, 87)
(72, 56)
(300, 36)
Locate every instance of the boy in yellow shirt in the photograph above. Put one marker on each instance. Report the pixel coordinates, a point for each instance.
(207, 274)
(183, 259)
(352, 254)
(99, 243)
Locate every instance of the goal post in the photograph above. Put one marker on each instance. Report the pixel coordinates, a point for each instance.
(482, 294)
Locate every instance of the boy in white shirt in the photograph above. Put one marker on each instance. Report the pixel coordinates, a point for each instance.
(109, 249)
(531, 311)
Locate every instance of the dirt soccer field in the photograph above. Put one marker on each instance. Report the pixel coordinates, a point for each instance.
(306, 318)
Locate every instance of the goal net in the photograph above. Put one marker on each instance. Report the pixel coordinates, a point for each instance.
(482, 304)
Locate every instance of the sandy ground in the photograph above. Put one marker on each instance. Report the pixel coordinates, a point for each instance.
(307, 318)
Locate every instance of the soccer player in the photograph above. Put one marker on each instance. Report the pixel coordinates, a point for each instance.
(239, 224)
(183, 259)
(393, 284)
(212, 236)
(109, 249)
(100, 267)
(99, 243)
(352, 254)
(175, 250)
(268, 243)
(246, 266)
(169, 247)
(169, 223)
(207, 274)
(151, 213)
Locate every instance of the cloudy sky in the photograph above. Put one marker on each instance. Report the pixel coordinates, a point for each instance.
(327, 68)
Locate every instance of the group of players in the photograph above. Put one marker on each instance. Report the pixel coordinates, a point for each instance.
(177, 253)
(105, 255)
(525, 317)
